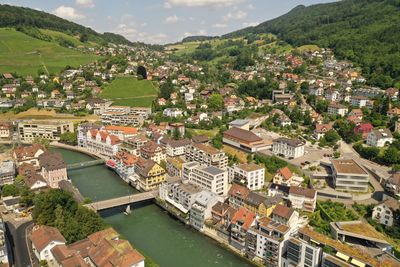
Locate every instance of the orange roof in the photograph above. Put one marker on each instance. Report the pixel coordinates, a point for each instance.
(124, 129)
(238, 191)
(285, 173)
(44, 235)
(244, 216)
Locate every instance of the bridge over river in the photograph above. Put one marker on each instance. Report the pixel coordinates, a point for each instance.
(80, 165)
(122, 201)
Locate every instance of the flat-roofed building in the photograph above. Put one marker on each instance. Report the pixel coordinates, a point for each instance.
(210, 178)
(7, 172)
(251, 175)
(244, 140)
(51, 130)
(206, 155)
(348, 175)
(288, 148)
(300, 253)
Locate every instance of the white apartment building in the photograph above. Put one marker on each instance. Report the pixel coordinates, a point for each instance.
(206, 155)
(251, 175)
(210, 178)
(100, 142)
(201, 209)
(337, 109)
(303, 198)
(175, 147)
(51, 130)
(266, 241)
(288, 148)
(122, 115)
(384, 213)
(180, 194)
(82, 130)
(300, 253)
(348, 175)
(172, 112)
(7, 172)
(379, 137)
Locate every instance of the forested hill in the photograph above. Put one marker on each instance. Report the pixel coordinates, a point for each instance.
(26, 19)
(364, 31)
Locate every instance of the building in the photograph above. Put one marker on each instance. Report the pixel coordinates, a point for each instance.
(385, 212)
(7, 172)
(82, 130)
(300, 253)
(379, 137)
(102, 143)
(3, 246)
(364, 129)
(241, 124)
(322, 129)
(53, 168)
(206, 155)
(348, 175)
(51, 130)
(359, 101)
(244, 140)
(122, 132)
(250, 175)
(265, 241)
(173, 112)
(283, 176)
(6, 130)
(175, 147)
(337, 109)
(209, 178)
(124, 164)
(122, 115)
(241, 222)
(288, 148)
(151, 150)
(237, 195)
(150, 174)
(303, 198)
(201, 209)
(44, 238)
(175, 166)
(103, 248)
(284, 215)
(180, 194)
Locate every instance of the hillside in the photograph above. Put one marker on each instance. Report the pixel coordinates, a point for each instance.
(364, 31)
(26, 55)
(20, 17)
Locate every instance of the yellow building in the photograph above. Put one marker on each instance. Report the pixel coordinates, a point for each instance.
(151, 175)
(266, 207)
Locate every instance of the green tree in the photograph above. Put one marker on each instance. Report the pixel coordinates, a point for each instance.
(69, 138)
(215, 102)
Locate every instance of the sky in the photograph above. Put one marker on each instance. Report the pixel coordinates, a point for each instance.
(165, 21)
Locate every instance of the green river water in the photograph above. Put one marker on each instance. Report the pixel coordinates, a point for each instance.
(150, 229)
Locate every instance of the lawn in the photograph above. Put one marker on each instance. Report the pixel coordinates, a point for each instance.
(208, 133)
(129, 87)
(25, 55)
(242, 156)
(144, 102)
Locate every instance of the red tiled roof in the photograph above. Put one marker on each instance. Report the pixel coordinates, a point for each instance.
(283, 211)
(244, 216)
(44, 235)
(285, 173)
(239, 191)
(301, 191)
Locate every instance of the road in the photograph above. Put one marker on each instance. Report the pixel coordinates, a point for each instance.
(19, 244)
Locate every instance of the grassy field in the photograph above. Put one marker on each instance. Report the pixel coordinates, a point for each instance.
(44, 114)
(131, 92)
(25, 55)
(208, 133)
(242, 156)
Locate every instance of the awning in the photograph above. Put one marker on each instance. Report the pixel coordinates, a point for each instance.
(315, 242)
(342, 256)
(357, 263)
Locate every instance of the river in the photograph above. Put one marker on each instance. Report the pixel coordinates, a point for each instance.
(150, 229)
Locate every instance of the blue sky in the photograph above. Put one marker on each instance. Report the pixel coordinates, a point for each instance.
(165, 21)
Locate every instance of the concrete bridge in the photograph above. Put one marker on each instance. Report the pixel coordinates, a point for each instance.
(85, 164)
(122, 201)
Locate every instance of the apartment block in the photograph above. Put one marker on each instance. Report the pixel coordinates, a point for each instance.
(288, 148)
(250, 175)
(51, 130)
(206, 155)
(209, 178)
(348, 175)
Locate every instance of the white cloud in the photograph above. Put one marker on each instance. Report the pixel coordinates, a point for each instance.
(126, 30)
(235, 16)
(250, 24)
(85, 3)
(172, 19)
(220, 25)
(67, 12)
(200, 32)
(200, 3)
(250, 6)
